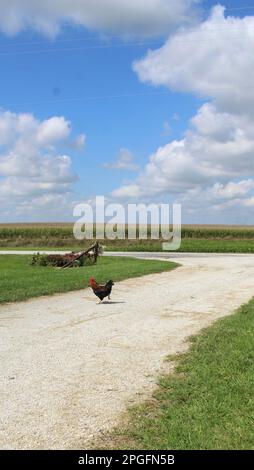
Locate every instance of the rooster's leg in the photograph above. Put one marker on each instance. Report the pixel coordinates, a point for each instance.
(109, 297)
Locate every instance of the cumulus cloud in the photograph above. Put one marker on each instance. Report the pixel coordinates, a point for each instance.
(212, 166)
(214, 59)
(232, 189)
(221, 203)
(206, 165)
(125, 18)
(53, 130)
(32, 170)
(205, 154)
(125, 161)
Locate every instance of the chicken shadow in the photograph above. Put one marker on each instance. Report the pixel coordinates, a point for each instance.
(110, 302)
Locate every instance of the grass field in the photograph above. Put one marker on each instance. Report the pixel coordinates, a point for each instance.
(190, 245)
(208, 402)
(20, 280)
(224, 239)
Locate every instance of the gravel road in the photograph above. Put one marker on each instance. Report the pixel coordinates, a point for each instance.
(69, 367)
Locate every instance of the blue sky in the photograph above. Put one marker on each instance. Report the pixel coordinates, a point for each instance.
(85, 74)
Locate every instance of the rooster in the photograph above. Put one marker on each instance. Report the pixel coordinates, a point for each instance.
(101, 291)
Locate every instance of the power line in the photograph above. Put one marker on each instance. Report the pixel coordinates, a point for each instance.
(125, 45)
(72, 49)
(108, 35)
(117, 96)
(86, 98)
(52, 41)
(238, 8)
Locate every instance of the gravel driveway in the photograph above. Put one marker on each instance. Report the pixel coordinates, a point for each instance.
(69, 368)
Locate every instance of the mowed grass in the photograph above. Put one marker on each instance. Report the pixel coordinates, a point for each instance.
(208, 403)
(217, 246)
(188, 245)
(19, 280)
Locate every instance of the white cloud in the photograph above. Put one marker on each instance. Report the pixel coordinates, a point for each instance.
(214, 59)
(205, 166)
(32, 169)
(128, 191)
(206, 154)
(212, 166)
(122, 17)
(229, 203)
(52, 130)
(233, 189)
(11, 125)
(125, 161)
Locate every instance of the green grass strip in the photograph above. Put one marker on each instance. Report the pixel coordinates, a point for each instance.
(208, 403)
(20, 281)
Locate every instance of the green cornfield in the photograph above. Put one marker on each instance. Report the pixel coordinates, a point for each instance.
(195, 238)
(65, 231)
